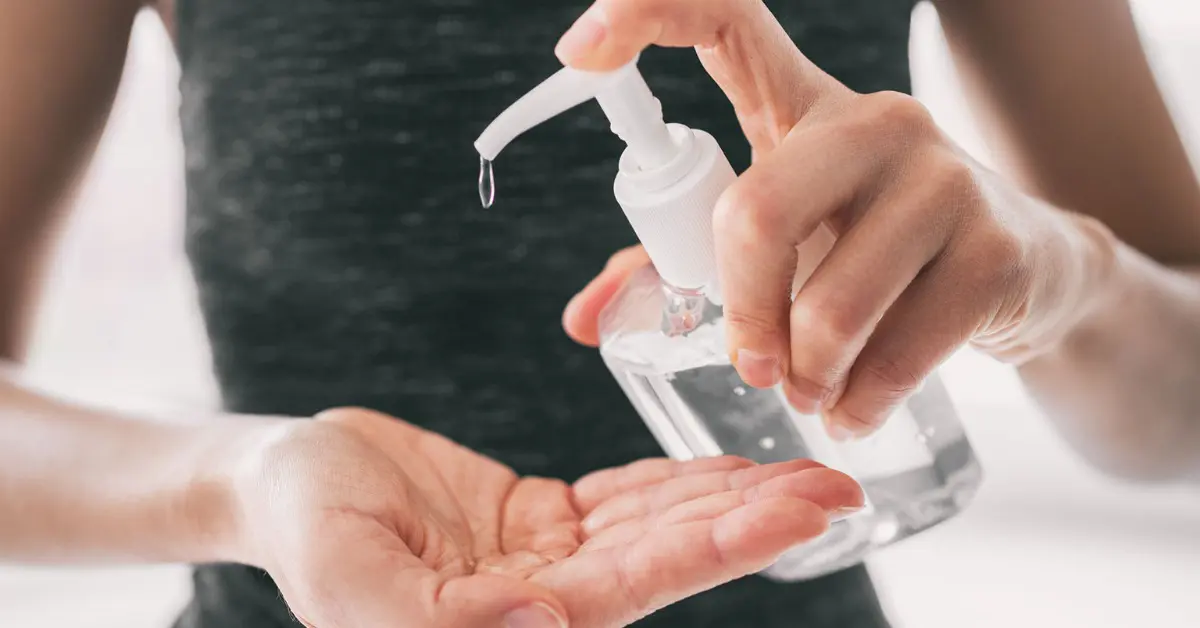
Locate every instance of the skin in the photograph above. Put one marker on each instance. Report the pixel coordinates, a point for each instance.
(1120, 383)
(365, 520)
(443, 536)
(933, 251)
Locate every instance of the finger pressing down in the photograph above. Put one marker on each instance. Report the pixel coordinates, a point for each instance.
(873, 263)
(758, 223)
(948, 304)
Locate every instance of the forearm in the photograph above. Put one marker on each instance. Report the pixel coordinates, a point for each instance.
(81, 485)
(1122, 382)
(1069, 102)
(60, 64)
(1067, 99)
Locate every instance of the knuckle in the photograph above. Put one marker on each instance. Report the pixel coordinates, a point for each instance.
(952, 181)
(821, 325)
(898, 112)
(943, 193)
(892, 379)
(752, 323)
(827, 339)
(748, 215)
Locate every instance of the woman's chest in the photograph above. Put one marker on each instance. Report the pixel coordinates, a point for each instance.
(315, 127)
(863, 42)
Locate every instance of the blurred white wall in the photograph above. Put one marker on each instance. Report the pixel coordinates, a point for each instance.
(1048, 542)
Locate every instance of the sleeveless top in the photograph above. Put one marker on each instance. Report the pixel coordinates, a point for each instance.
(342, 256)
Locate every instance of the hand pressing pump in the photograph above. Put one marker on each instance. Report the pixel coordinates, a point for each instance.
(663, 336)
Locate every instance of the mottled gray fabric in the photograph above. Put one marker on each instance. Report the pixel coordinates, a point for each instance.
(342, 255)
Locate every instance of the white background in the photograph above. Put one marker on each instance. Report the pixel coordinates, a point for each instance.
(1047, 543)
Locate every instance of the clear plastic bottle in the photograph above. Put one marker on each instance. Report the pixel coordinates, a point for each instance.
(665, 344)
(667, 350)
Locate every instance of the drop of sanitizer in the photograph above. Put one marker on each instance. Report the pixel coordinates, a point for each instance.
(487, 183)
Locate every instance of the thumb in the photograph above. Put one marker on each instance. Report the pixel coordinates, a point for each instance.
(582, 316)
(401, 590)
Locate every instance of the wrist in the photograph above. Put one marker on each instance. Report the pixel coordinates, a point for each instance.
(213, 508)
(1075, 275)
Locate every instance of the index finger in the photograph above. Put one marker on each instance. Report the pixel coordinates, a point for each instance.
(750, 56)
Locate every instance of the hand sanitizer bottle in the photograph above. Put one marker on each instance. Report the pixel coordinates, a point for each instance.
(663, 335)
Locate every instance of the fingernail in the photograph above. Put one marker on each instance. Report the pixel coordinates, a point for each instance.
(584, 36)
(839, 432)
(845, 512)
(534, 616)
(757, 369)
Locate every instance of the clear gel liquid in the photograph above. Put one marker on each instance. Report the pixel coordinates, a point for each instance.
(487, 183)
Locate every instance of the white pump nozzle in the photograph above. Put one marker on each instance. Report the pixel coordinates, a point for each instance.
(634, 112)
(669, 178)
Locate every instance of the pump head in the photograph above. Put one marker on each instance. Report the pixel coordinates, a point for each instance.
(670, 176)
(634, 112)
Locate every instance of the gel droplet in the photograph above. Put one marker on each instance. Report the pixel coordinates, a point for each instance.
(487, 183)
(740, 391)
(767, 443)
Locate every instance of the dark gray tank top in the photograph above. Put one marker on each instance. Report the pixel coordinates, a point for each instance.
(343, 258)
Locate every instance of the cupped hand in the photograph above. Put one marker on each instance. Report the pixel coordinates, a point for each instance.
(364, 520)
(932, 251)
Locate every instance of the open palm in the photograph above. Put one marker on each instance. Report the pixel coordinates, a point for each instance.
(421, 531)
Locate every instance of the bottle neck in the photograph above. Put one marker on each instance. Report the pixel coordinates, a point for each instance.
(686, 309)
(670, 208)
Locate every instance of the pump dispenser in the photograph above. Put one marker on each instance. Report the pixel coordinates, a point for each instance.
(669, 177)
(663, 336)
